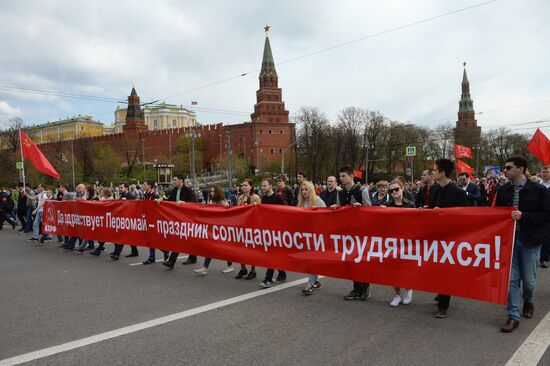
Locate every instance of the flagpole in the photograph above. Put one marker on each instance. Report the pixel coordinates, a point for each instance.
(22, 160)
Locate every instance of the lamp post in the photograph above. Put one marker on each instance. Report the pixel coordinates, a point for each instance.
(283, 157)
(229, 160)
(476, 148)
(193, 135)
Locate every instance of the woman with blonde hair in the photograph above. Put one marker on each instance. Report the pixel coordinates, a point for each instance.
(396, 191)
(215, 197)
(248, 197)
(307, 197)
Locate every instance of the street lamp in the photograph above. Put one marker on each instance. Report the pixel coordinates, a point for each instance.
(193, 135)
(283, 157)
(477, 148)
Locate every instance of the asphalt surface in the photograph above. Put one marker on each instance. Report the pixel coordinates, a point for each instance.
(49, 296)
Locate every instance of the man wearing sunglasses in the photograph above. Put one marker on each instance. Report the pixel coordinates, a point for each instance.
(531, 202)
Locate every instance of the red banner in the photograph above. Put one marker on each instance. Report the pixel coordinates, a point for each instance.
(462, 152)
(539, 146)
(456, 251)
(462, 167)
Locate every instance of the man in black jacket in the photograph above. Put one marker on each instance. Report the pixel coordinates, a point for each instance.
(351, 195)
(446, 195)
(180, 193)
(284, 191)
(531, 202)
(426, 192)
(330, 195)
(300, 177)
(125, 195)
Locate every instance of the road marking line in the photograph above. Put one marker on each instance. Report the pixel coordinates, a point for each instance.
(532, 350)
(50, 351)
(158, 260)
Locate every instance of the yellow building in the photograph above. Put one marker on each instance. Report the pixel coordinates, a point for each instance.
(70, 128)
(160, 116)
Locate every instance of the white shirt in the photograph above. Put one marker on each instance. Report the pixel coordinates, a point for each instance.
(41, 198)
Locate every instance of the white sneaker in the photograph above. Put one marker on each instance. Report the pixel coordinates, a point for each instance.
(408, 297)
(228, 270)
(395, 301)
(200, 272)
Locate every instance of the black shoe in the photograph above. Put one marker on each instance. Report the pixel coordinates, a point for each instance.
(131, 255)
(437, 298)
(509, 326)
(32, 240)
(365, 293)
(280, 278)
(190, 260)
(544, 264)
(241, 274)
(316, 285)
(250, 276)
(95, 252)
(441, 313)
(114, 256)
(148, 261)
(352, 296)
(13, 226)
(168, 264)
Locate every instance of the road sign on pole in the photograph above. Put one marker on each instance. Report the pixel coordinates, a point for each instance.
(411, 151)
(19, 165)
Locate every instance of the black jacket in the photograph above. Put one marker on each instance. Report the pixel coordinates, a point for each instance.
(449, 196)
(406, 204)
(287, 195)
(534, 204)
(420, 200)
(330, 198)
(473, 195)
(186, 195)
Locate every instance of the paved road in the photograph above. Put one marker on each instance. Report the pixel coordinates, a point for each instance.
(50, 297)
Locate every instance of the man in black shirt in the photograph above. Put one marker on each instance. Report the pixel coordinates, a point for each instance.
(351, 195)
(180, 193)
(330, 195)
(300, 177)
(447, 195)
(271, 198)
(284, 191)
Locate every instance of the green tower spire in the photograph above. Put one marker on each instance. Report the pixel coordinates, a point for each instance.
(466, 103)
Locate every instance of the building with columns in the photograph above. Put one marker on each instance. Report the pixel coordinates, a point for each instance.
(159, 116)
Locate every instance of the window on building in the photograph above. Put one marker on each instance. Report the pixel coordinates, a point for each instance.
(280, 151)
(281, 132)
(273, 151)
(270, 132)
(174, 123)
(260, 132)
(155, 123)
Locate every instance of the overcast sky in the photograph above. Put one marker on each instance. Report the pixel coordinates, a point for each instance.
(170, 47)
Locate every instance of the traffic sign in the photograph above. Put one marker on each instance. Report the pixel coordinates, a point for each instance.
(411, 151)
(19, 165)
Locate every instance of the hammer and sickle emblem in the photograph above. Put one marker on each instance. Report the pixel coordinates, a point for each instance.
(27, 143)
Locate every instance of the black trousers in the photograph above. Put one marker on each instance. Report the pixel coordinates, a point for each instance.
(4, 217)
(21, 215)
(270, 272)
(443, 301)
(358, 287)
(118, 249)
(545, 252)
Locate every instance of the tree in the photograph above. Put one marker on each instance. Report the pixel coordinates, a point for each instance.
(10, 136)
(130, 149)
(313, 139)
(183, 155)
(105, 168)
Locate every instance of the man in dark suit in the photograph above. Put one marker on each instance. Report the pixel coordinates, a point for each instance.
(180, 193)
(473, 195)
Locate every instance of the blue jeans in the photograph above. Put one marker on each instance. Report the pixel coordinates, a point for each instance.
(208, 260)
(311, 279)
(524, 269)
(152, 254)
(85, 242)
(36, 225)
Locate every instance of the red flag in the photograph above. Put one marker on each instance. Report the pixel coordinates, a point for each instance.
(462, 152)
(358, 174)
(30, 151)
(540, 147)
(462, 167)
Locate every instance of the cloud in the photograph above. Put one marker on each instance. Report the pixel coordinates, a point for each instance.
(7, 111)
(169, 47)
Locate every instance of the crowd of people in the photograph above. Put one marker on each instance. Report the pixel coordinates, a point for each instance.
(437, 188)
